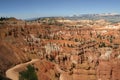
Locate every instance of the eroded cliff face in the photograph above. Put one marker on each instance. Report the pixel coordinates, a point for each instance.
(10, 56)
(87, 52)
(109, 70)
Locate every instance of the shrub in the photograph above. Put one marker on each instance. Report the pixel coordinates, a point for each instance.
(28, 74)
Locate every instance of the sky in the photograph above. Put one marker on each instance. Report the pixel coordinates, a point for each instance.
(47, 8)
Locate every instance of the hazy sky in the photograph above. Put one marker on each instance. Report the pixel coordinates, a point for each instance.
(41, 8)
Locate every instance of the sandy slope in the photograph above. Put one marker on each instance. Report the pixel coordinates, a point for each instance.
(13, 74)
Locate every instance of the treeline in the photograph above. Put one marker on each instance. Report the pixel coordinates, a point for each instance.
(7, 18)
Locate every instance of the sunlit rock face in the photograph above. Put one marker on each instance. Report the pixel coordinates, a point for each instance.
(68, 50)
